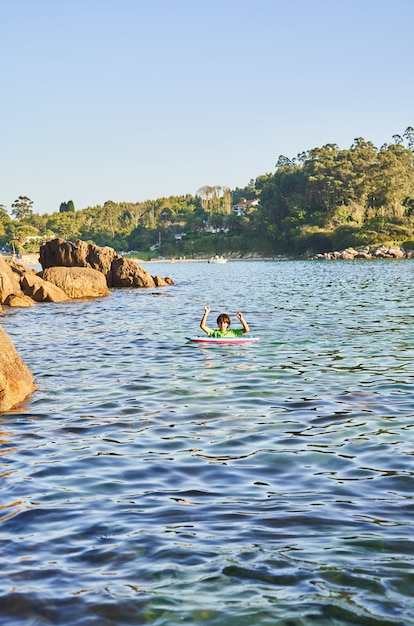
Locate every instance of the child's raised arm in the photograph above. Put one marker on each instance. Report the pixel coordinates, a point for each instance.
(245, 325)
(203, 325)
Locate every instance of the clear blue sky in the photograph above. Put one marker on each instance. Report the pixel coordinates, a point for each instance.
(129, 100)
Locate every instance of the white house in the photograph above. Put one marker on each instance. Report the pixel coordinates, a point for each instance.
(243, 207)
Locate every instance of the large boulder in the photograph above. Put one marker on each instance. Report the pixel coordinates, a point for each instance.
(77, 282)
(16, 380)
(9, 282)
(101, 259)
(127, 273)
(61, 253)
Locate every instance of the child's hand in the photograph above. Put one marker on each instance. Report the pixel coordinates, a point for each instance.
(239, 315)
(207, 309)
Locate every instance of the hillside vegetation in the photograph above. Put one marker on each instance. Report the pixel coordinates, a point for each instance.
(324, 199)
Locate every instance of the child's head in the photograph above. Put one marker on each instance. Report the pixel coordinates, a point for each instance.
(222, 319)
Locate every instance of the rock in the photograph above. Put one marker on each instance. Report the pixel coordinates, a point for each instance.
(101, 259)
(16, 380)
(58, 253)
(160, 282)
(9, 284)
(396, 252)
(379, 252)
(127, 273)
(21, 301)
(42, 290)
(349, 253)
(362, 255)
(77, 282)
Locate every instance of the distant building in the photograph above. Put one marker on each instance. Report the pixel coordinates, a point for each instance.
(243, 207)
(32, 238)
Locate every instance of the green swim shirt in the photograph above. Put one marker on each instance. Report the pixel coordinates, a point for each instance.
(232, 332)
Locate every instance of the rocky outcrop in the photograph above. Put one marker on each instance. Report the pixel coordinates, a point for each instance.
(77, 282)
(118, 271)
(95, 270)
(367, 252)
(16, 380)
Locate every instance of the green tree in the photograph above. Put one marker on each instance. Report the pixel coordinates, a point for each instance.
(409, 137)
(216, 199)
(5, 225)
(395, 180)
(22, 208)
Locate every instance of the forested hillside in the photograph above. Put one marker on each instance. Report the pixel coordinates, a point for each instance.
(324, 199)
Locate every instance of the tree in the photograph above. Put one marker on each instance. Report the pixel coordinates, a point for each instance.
(136, 211)
(409, 137)
(215, 199)
(67, 207)
(109, 210)
(22, 208)
(3, 213)
(5, 225)
(396, 182)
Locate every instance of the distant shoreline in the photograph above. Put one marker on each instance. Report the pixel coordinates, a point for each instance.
(33, 259)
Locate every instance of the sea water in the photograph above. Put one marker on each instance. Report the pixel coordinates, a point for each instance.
(154, 481)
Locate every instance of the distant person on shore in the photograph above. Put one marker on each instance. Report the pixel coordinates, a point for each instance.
(223, 323)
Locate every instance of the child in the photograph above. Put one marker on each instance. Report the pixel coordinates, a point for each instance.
(223, 323)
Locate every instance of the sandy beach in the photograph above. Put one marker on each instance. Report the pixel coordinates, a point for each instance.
(29, 259)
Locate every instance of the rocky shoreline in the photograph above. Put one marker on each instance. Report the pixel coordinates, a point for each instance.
(367, 252)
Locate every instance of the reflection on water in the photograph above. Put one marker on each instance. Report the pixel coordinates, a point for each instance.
(151, 480)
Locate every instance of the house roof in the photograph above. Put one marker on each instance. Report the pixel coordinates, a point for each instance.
(244, 203)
